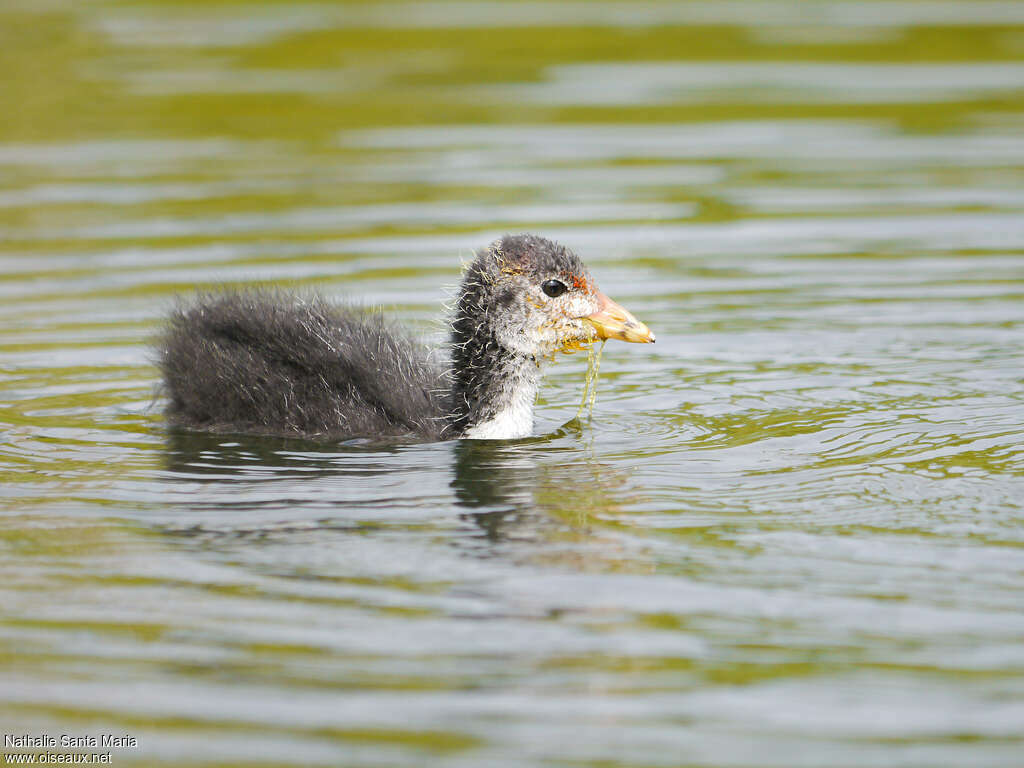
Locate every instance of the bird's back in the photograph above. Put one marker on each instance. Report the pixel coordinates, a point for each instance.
(282, 364)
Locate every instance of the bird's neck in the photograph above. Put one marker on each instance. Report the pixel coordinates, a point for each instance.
(493, 389)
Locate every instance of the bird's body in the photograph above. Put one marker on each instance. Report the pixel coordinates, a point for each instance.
(274, 363)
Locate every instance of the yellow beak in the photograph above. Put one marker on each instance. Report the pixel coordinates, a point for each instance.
(613, 321)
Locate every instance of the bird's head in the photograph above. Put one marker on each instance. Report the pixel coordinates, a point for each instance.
(535, 298)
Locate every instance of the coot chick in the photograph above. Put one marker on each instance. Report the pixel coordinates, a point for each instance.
(280, 364)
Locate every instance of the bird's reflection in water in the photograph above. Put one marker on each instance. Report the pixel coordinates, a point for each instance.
(547, 489)
(500, 473)
(494, 481)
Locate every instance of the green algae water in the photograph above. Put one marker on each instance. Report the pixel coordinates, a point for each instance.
(791, 534)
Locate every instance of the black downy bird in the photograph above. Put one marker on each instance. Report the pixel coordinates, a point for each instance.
(279, 364)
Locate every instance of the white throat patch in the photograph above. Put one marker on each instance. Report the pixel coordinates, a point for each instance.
(514, 420)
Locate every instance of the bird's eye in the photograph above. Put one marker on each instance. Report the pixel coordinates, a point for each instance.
(553, 288)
